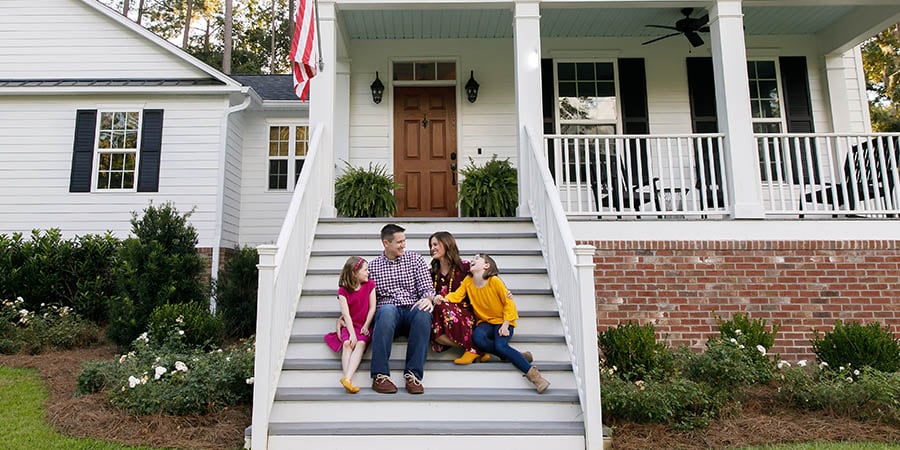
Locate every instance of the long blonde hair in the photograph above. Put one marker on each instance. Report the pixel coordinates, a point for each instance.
(348, 278)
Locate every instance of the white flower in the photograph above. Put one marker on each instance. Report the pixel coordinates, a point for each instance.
(249, 380)
(761, 349)
(227, 358)
(23, 312)
(144, 378)
(180, 366)
(160, 370)
(741, 346)
(782, 364)
(823, 365)
(133, 381)
(733, 341)
(180, 319)
(122, 359)
(144, 337)
(181, 332)
(737, 331)
(856, 372)
(849, 379)
(841, 368)
(42, 305)
(801, 363)
(639, 384)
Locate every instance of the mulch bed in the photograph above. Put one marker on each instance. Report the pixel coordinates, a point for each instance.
(760, 420)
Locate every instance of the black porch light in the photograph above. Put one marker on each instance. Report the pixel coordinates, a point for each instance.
(472, 88)
(377, 89)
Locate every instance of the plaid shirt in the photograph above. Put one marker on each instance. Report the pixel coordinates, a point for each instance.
(401, 282)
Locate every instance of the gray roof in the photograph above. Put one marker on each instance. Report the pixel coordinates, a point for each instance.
(72, 82)
(269, 87)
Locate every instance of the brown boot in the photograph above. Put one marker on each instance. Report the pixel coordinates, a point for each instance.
(528, 357)
(534, 376)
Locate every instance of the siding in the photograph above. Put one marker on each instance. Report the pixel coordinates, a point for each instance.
(36, 135)
(231, 213)
(50, 39)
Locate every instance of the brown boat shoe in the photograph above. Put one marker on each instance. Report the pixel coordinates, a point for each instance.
(382, 384)
(413, 384)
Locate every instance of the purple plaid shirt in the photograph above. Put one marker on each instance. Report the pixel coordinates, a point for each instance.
(401, 282)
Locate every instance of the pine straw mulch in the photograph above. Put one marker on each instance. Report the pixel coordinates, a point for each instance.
(760, 419)
(90, 416)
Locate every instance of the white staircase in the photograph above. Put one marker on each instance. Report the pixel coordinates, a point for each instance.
(484, 405)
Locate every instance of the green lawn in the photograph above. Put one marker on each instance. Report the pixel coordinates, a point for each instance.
(22, 424)
(828, 446)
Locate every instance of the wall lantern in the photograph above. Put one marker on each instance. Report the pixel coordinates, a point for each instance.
(377, 89)
(472, 88)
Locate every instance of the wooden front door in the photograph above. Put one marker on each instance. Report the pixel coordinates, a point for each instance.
(425, 160)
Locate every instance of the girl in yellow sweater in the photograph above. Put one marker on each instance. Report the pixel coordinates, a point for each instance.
(496, 315)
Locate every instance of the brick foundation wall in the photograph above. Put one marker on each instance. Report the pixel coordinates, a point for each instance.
(206, 254)
(681, 286)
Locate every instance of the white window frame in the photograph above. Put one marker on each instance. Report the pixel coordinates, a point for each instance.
(781, 120)
(291, 158)
(95, 171)
(559, 121)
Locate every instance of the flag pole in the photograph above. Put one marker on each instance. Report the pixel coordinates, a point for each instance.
(319, 37)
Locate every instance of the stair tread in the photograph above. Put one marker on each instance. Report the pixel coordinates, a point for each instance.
(467, 394)
(517, 271)
(549, 292)
(423, 236)
(333, 314)
(365, 252)
(398, 364)
(519, 338)
(461, 427)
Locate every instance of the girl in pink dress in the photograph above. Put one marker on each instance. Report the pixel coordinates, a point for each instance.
(356, 297)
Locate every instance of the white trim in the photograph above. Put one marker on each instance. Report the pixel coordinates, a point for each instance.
(590, 54)
(292, 158)
(615, 63)
(95, 165)
(735, 230)
(192, 90)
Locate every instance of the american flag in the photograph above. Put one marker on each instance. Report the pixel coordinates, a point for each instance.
(304, 49)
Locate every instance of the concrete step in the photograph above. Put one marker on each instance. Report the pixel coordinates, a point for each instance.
(468, 244)
(529, 323)
(427, 441)
(506, 259)
(444, 428)
(543, 347)
(326, 300)
(515, 279)
(426, 226)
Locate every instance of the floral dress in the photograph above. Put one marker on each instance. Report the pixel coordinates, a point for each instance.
(455, 320)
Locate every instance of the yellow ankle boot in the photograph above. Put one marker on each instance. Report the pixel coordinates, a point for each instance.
(466, 358)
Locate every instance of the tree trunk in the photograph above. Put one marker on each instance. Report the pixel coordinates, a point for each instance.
(140, 11)
(291, 15)
(126, 5)
(272, 47)
(229, 19)
(187, 24)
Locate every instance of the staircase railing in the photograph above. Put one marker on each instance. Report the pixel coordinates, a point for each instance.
(571, 269)
(281, 271)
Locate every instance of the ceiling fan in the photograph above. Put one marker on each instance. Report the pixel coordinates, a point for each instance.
(687, 26)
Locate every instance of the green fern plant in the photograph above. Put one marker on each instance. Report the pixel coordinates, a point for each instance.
(362, 192)
(489, 191)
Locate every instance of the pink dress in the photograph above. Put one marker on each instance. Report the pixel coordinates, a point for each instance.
(358, 301)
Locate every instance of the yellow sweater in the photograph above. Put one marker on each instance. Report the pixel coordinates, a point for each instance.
(490, 302)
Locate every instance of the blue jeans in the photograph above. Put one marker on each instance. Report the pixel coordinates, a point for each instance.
(392, 321)
(488, 339)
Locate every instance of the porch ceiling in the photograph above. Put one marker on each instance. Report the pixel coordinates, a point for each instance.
(573, 22)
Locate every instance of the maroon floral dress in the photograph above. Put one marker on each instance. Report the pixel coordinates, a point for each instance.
(455, 320)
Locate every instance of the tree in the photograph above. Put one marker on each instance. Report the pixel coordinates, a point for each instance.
(881, 62)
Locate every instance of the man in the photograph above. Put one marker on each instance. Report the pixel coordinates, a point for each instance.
(404, 294)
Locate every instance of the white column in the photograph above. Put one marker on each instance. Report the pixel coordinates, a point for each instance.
(527, 37)
(733, 108)
(836, 73)
(593, 412)
(342, 115)
(263, 376)
(322, 96)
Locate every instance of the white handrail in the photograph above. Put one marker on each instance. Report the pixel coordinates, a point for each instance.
(281, 270)
(571, 277)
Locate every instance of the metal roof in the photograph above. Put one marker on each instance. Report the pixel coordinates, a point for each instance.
(269, 87)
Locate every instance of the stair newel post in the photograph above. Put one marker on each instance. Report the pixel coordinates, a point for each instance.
(263, 389)
(590, 361)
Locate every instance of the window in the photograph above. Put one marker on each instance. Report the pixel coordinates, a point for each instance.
(117, 150)
(425, 71)
(587, 102)
(288, 145)
(765, 108)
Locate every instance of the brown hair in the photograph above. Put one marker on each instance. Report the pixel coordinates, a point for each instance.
(389, 230)
(492, 270)
(451, 251)
(348, 279)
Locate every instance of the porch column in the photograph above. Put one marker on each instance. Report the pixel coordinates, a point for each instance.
(527, 37)
(733, 99)
(836, 73)
(322, 96)
(342, 115)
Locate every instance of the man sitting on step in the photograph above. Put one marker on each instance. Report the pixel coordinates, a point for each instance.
(404, 294)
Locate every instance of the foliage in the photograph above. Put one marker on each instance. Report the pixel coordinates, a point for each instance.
(178, 326)
(857, 345)
(360, 192)
(885, 118)
(750, 333)
(236, 291)
(881, 63)
(50, 326)
(159, 265)
(727, 365)
(152, 379)
(632, 351)
(863, 394)
(489, 191)
(678, 402)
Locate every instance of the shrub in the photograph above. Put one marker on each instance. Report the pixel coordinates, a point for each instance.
(490, 190)
(858, 393)
(727, 365)
(159, 265)
(678, 402)
(368, 192)
(857, 345)
(750, 333)
(632, 350)
(177, 326)
(50, 326)
(236, 291)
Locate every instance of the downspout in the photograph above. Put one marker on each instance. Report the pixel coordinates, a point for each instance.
(220, 194)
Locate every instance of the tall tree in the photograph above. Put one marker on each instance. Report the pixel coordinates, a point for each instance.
(126, 5)
(188, 18)
(881, 61)
(229, 23)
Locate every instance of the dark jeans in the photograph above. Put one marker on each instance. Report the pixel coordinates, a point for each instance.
(392, 321)
(487, 339)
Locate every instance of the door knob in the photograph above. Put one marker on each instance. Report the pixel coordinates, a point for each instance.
(452, 156)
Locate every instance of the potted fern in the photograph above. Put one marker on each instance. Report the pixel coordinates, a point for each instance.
(362, 192)
(489, 191)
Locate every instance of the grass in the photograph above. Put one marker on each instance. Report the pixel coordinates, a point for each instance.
(828, 446)
(22, 424)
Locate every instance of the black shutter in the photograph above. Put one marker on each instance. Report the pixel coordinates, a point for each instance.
(151, 147)
(83, 150)
(633, 89)
(798, 112)
(707, 167)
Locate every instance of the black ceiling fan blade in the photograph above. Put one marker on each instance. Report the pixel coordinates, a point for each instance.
(660, 38)
(694, 38)
(703, 20)
(665, 27)
(704, 29)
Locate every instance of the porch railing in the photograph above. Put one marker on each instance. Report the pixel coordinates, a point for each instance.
(281, 270)
(571, 271)
(659, 176)
(835, 174)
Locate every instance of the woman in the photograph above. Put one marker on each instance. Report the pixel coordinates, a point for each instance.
(451, 323)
